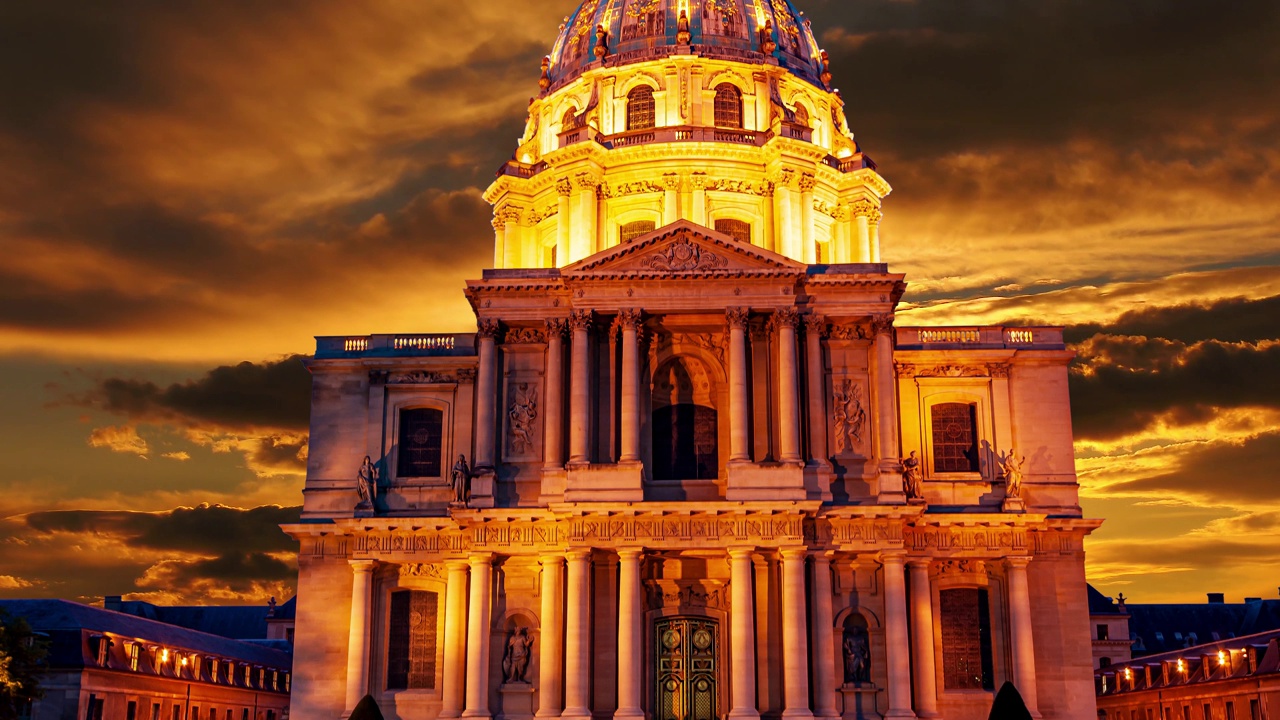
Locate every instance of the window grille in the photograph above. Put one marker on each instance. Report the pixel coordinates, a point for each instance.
(631, 231)
(955, 437)
(411, 647)
(421, 439)
(728, 106)
(641, 110)
(736, 229)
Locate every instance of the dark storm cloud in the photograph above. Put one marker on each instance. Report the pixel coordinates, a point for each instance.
(240, 573)
(1243, 475)
(206, 530)
(1234, 320)
(1121, 385)
(246, 397)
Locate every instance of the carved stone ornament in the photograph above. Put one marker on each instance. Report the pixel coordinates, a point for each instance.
(698, 180)
(522, 413)
(537, 216)
(427, 570)
(581, 320)
(1000, 370)
(421, 377)
(630, 319)
(586, 181)
(683, 256)
(467, 375)
(961, 567)
(815, 325)
(882, 323)
(525, 336)
(850, 416)
(671, 181)
(849, 332)
(742, 187)
(638, 187)
(807, 182)
(737, 317)
(950, 371)
(555, 327)
(379, 377)
(488, 328)
(688, 594)
(785, 317)
(564, 187)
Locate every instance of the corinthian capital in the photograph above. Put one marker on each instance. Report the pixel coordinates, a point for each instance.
(785, 317)
(488, 328)
(808, 182)
(629, 319)
(882, 323)
(737, 317)
(556, 327)
(580, 319)
(564, 186)
(815, 324)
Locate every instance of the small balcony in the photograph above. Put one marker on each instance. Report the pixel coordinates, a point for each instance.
(385, 346)
(986, 338)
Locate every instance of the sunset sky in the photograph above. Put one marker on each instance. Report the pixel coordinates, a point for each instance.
(189, 191)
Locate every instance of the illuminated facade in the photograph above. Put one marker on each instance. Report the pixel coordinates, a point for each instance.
(705, 475)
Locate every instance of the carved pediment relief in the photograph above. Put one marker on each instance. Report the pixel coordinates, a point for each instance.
(683, 249)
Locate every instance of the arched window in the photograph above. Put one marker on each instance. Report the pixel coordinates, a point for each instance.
(421, 439)
(802, 115)
(955, 437)
(736, 229)
(569, 121)
(631, 231)
(640, 108)
(728, 106)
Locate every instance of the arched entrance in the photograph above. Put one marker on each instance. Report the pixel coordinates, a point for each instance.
(686, 672)
(685, 423)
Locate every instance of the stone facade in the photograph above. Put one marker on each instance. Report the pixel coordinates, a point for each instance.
(689, 468)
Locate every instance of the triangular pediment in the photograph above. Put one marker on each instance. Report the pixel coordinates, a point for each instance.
(683, 249)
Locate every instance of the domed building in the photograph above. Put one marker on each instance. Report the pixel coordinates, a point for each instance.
(689, 467)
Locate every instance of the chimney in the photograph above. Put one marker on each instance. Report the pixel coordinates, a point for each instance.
(1217, 598)
(113, 602)
(1253, 600)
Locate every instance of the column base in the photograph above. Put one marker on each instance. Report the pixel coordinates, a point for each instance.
(447, 714)
(575, 714)
(547, 714)
(797, 713)
(746, 714)
(628, 714)
(899, 714)
(1013, 505)
(476, 714)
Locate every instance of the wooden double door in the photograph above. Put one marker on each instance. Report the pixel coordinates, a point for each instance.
(687, 672)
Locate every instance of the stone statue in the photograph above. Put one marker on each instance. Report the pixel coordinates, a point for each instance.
(515, 660)
(544, 81)
(460, 480)
(857, 656)
(913, 477)
(367, 483)
(1012, 474)
(602, 42)
(524, 410)
(682, 28)
(767, 45)
(850, 417)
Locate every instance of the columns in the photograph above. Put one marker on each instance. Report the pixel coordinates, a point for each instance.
(630, 322)
(478, 637)
(455, 637)
(785, 320)
(699, 182)
(486, 395)
(824, 648)
(809, 249)
(739, 397)
(865, 253)
(895, 636)
(499, 240)
(873, 234)
(580, 388)
(670, 198)
(630, 635)
(514, 246)
(922, 649)
(551, 653)
(786, 240)
(886, 404)
(795, 642)
(814, 327)
(1020, 635)
(742, 646)
(358, 639)
(564, 188)
(582, 229)
(578, 636)
(552, 436)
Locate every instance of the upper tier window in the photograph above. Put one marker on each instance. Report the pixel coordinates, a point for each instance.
(955, 438)
(728, 106)
(736, 229)
(802, 115)
(640, 108)
(421, 431)
(631, 231)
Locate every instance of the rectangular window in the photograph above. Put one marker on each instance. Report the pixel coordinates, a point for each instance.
(245, 714)
(421, 438)
(1186, 712)
(135, 653)
(1231, 710)
(1104, 631)
(1208, 712)
(177, 712)
(195, 712)
(1255, 711)
(955, 437)
(1150, 714)
(411, 647)
(966, 639)
(631, 231)
(94, 709)
(131, 710)
(155, 711)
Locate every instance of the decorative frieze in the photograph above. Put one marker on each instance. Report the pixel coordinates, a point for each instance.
(683, 256)
(742, 187)
(421, 377)
(639, 187)
(688, 594)
(525, 336)
(851, 331)
(434, 571)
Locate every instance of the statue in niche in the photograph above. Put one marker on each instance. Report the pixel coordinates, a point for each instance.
(857, 656)
(460, 481)
(1013, 474)
(682, 28)
(850, 417)
(367, 483)
(524, 410)
(913, 477)
(515, 660)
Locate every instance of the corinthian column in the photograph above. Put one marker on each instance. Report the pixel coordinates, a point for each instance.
(886, 399)
(564, 188)
(785, 320)
(630, 322)
(478, 637)
(553, 436)
(455, 638)
(1024, 650)
(824, 647)
(486, 395)
(358, 637)
(630, 635)
(895, 636)
(814, 327)
(580, 388)
(577, 681)
(922, 650)
(807, 183)
(742, 647)
(739, 399)
(795, 643)
(551, 653)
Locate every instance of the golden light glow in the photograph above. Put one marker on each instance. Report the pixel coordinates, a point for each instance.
(1182, 667)
(1222, 657)
(1128, 674)
(184, 662)
(164, 655)
(760, 17)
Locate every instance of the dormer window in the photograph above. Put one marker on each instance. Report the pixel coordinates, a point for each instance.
(641, 110)
(100, 646)
(802, 115)
(728, 106)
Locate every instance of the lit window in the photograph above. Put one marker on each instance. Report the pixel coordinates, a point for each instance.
(641, 110)
(728, 106)
(955, 437)
(569, 121)
(631, 231)
(101, 646)
(1104, 631)
(736, 229)
(213, 669)
(135, 654)
(421, 438)
(802, 115)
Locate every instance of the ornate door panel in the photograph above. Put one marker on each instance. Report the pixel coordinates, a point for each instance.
(686, 650)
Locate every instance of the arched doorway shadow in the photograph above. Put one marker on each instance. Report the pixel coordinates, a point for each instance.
(684, 427)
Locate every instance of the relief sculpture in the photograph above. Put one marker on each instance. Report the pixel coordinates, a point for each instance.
(524, 410)
(850, 417)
